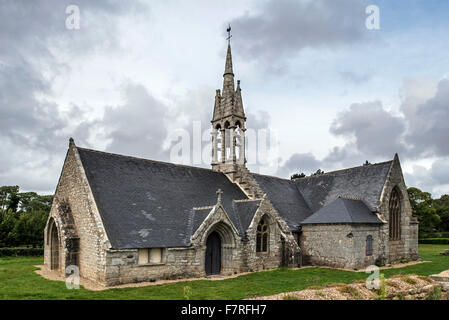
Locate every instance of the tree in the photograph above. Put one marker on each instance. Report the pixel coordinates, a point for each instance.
(442, 208)
(423, 207)
(22, 217)
(318, 172)
(9, 199)
(297, 175)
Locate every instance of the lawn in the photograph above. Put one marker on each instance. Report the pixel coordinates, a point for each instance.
(19, 281)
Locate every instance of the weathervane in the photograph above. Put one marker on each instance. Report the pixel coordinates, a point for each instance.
(228, 30)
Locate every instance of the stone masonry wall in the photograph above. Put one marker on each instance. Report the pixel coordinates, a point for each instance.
(186, 262)
(339, 245)
(279, 233)
(407, 246)
(73, 190)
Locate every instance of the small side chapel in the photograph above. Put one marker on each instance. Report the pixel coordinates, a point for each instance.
(123, 219)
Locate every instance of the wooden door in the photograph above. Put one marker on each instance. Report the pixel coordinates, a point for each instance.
(213, 254)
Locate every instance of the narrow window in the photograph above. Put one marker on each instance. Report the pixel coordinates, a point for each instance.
(369, 245)
(262, 236)
(395, 215)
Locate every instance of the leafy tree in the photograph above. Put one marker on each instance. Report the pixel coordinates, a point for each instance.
(298, 175)
(442, 207)
(22, 217)
(9, 199)
(423, 207)
(318, 172)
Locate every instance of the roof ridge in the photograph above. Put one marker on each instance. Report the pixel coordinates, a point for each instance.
(246, 200)
(341, 170)
(351, 218)
(144, 159)
(270, 176)
(351, 198)
(203, 208)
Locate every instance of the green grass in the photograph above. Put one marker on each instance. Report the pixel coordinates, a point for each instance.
(19, 281)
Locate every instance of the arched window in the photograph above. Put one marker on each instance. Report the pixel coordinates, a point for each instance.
(262, 236)
(369, 245)
(395, 215)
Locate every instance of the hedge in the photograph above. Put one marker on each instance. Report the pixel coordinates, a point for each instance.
(16, 252)
(434, 241)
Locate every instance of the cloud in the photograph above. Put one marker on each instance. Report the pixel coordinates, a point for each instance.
(375, 131)
(136, 127)
(281, 28)
(33, 129)
(429, 128)
(299, 162)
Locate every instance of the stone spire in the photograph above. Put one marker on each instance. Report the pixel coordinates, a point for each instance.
(228, 123)
(228, 85)
(238, 102)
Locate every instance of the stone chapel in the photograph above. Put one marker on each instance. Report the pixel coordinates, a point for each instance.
(123, 219)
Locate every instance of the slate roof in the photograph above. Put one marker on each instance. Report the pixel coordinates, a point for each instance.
(145, 203)
(243, 213)
(343, 210)
(364, 182)
(286, 198)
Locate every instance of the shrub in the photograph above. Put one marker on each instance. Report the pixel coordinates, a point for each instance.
(350, 290)
(434, 294)
(19, 252)
(408, 280)
(434, 241)
(425, 278)
(291, 297)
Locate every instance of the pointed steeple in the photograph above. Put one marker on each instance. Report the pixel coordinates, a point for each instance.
(228, 85)
(228, 66)
(217, 106)
(238, 105)
(228, 123)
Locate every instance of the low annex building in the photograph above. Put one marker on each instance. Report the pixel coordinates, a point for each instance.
(122, 219)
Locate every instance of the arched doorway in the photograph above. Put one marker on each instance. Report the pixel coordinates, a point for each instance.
(213, 254)
(54, 247)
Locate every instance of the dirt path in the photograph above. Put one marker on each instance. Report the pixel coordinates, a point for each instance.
(407, 287)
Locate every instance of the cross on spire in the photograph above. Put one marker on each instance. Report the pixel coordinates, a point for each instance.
(228, 30)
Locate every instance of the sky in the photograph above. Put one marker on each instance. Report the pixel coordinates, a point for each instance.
(333, 92)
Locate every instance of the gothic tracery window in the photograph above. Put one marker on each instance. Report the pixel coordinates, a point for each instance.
(395, 215)
(262, 236)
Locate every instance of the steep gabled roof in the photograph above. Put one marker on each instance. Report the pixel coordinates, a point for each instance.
(244, 211)
(286, 199)
(364, 182)
(343, 210)
(145, 203)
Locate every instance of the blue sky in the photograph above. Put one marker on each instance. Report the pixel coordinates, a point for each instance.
(335, 93)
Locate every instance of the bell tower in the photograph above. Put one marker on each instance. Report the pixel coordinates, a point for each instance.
(228, 123)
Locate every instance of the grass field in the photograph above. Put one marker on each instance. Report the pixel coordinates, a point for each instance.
(19, 281)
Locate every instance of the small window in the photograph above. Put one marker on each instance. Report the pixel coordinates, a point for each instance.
(143, 256)
(262, 236)
(369, 245)
(153, 255)
(156, 255)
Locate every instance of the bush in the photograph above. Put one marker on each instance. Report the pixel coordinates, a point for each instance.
(16, 252)
(434, 241)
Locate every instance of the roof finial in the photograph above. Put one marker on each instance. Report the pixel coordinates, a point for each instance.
(219, 193)
(228, 30)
